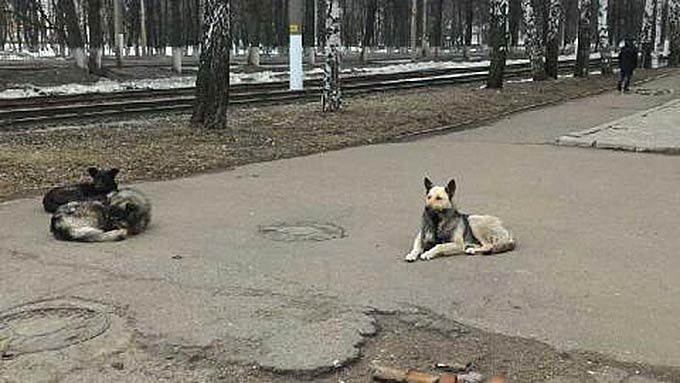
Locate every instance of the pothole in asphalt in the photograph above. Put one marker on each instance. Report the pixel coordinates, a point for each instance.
(48, 326)
(302, 232)
(653, 92)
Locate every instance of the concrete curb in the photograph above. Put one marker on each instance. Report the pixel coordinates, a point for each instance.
(579, 139)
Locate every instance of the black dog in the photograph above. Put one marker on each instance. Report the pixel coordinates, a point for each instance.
(103, 182)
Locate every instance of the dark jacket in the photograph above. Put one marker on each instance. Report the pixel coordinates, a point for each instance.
(628, 58)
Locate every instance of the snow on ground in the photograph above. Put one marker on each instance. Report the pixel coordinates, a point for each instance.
(108, 86)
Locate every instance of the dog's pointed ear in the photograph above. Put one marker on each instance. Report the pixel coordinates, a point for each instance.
(92, 171)
(113, 172)
(451, 188)
(428, 184)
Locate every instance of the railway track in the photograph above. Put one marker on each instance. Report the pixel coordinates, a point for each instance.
(14, 112)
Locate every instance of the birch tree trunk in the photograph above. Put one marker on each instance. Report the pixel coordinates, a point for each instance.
(603, 35)
(331, 97)
(553, 38)
(584, 32)
(674, 32)
(499, 42)
(533, 42)
(646, 38)
(212, 82)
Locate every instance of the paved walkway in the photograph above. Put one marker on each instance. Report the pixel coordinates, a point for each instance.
(596, 268)
(655, 130)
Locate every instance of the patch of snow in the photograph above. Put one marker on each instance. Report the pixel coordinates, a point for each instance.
(519, 81)
(108, 86)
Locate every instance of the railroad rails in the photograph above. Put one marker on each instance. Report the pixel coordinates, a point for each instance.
(14, 112)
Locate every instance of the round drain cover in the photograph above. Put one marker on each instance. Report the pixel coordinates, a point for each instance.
(653, 92)
(29, 329)
(304, 231)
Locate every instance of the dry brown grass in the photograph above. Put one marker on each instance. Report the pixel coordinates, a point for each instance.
(152, 147)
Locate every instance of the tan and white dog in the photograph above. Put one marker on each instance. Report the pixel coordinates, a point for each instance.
(445, 231)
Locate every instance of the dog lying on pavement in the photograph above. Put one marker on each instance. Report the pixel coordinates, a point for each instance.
(445, 231)
(103, 183)
(123, 213)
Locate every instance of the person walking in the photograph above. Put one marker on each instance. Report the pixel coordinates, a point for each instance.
(628, 61)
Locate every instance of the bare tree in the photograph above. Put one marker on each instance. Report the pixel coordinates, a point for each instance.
(647, 33)
(424, 40)
(177, 36)
(534, 40)
(142, 27)
(603, 35)
(552, 38)
(252, 13)
(309, 30)
(469, 20)
(515, 21)
(212, 82)
(498, 29)
(369, 29)
(584, 32)
(95, 27)
(118, 31)
(674, 29)
(74, 37)
(663, 30)
(438, 20)
(414, 29)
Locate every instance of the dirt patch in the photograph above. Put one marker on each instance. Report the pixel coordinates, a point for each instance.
(157, 148)
(419, 340)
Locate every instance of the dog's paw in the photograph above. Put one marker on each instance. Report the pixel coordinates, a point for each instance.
(411, 257)
(470, 251)
(427, 256)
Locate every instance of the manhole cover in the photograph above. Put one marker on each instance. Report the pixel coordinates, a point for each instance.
(304, 231)
(653, 92)
(50, 325)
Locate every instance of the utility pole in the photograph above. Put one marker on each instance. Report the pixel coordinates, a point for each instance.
(296, 16)
(118, 31)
